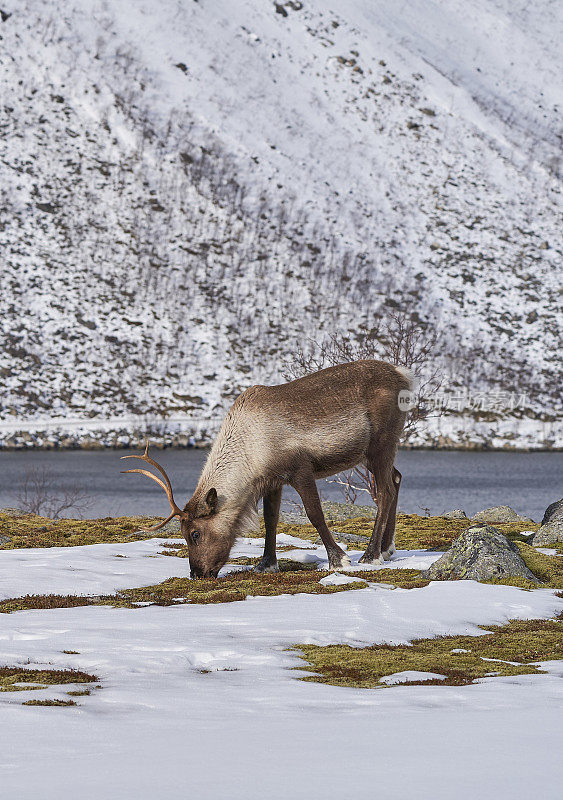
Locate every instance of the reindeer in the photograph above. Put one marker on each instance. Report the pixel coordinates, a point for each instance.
(293, 434)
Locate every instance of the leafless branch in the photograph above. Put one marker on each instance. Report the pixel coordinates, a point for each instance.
(39, 496)
(398, 337)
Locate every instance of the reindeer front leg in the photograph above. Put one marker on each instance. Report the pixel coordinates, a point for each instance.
(269, 561)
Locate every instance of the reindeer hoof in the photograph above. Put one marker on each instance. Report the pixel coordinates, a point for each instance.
(387, 554)
(374, 562)
(340, 562)
(266, 566)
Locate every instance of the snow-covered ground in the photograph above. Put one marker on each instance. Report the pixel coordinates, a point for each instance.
(202, 701)
(191, 190)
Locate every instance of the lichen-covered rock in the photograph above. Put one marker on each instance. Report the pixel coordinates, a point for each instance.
(551, 530)
(480, 553)
(499, 514)
(457, 513)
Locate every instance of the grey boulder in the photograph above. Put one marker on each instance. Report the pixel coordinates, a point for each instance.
(457, 513)
(480, 553)
(551, 530)
(499, 514)
(553, 513)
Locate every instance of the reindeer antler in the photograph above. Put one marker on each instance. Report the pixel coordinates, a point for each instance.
(164, 484)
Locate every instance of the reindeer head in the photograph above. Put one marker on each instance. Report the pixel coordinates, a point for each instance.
(206, 531)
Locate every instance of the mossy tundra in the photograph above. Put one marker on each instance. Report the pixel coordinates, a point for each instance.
(462, 659)
(413, 531)
(29, 530)
(504, 650)
(292, 579)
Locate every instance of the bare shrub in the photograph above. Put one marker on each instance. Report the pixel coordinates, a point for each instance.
(39, 496)
(398, 337)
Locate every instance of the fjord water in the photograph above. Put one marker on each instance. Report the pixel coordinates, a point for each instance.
(434, 480)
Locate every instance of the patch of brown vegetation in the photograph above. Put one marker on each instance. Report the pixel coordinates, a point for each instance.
(32, 531)
(49, 703)
(17, 679)
(42, 601)
(403, 578)
(505, 649)
(234, 587)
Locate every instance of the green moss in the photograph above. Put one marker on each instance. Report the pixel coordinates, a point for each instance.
(413, 532)
(15, 679)
(284, 564)
(520, 642)
(293, 578)
(49, 703)
(549, 569)
(437, 533)
(81, 693)
(233, 587)
(31, 531)
(402, 578)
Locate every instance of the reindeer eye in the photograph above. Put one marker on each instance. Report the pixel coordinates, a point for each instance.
(195, 536)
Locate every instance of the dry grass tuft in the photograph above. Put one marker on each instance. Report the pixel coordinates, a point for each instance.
(18, 679)
(42, 601)
(64, 703)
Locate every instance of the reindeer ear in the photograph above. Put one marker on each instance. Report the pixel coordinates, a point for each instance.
(211, 501)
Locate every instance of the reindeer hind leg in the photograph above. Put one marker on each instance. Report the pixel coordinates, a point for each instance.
(388, 541)
(380, 464)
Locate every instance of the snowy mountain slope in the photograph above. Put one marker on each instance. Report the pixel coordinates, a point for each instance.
(191, 189)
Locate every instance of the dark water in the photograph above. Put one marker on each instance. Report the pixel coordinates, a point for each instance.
(439, 481)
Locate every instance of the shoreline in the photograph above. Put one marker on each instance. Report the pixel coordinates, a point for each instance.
(93, 446)
(447, 433)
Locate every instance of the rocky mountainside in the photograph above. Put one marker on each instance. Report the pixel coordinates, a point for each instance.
(189, 191)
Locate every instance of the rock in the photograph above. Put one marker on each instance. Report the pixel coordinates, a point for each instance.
(344, 511)
(553, 513)
(457, 513)
(350, 537)
(13, 512)
(551, 530)
(335, 512)
(480, 553)
(499, 514)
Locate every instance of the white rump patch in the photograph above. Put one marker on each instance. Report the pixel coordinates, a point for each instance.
(407, 374)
